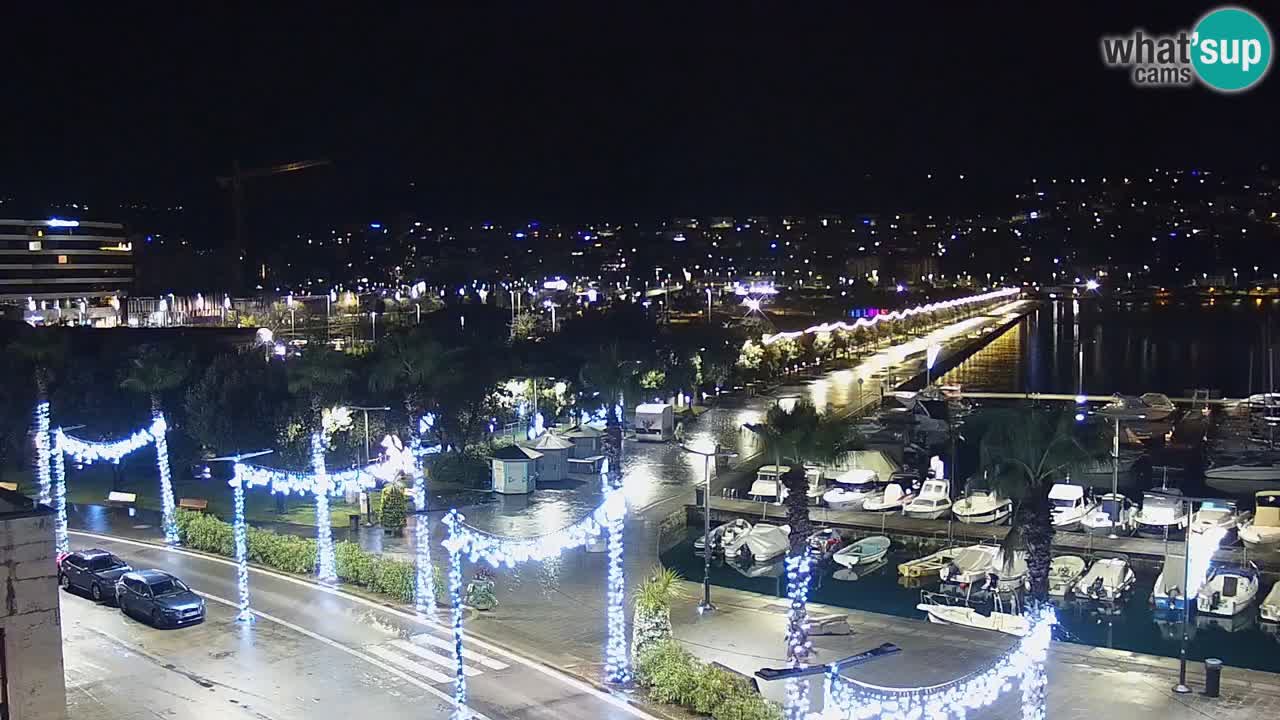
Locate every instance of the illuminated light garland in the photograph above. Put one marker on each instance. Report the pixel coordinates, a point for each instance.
(895, 315)
(60, 542)
(87, 452)
(799, 648)
(849, 699)
(240, 534)
(617, 663)
(325, 564)
(42, 453)
(455, 543)
(424, 594)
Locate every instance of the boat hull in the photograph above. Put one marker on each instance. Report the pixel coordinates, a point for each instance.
(988, 517)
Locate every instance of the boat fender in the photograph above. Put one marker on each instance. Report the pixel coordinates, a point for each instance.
(1216, 601)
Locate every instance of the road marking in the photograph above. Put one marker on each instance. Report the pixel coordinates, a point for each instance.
(446, 697)
(437, 658)
(533, 664)
(468, 654)
(407, 664)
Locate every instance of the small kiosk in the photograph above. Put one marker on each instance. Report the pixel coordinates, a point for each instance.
(515, 470)
(555, 451)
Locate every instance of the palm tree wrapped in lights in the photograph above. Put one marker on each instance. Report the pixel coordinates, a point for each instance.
(1024, 452)
(153, 371)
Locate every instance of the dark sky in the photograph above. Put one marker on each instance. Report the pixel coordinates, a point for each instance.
(543, 109)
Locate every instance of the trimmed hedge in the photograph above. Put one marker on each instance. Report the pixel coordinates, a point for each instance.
(289, 553)
(674, 676)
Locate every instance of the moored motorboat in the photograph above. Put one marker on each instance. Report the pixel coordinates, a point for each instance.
(1107, 579)
(767, 486)
(1270, 608)
(1213, 516)
(1064, 571)
(1228, 591)
(763, 543)
(1169, 591)
(928, 565)
(1162, 515)
(852, 488)
(982, 507)
(1148, 406)
(1114, 513)
(1008, 623)
(862, 552)
(1244, 474)
(891, 499)
(933, 502)
(970, 564)
(722, 535)
(1261, 533)
(824, 543)
(1070, 505)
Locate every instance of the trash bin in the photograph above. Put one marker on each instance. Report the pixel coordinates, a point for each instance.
(1212, 677)
(355, 520)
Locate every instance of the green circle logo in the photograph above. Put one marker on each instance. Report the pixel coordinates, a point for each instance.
(1231, 49)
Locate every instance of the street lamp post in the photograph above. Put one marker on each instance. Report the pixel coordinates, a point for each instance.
(705, 606)
(363, 494)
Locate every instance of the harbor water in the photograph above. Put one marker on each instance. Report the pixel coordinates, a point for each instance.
(1133, 624)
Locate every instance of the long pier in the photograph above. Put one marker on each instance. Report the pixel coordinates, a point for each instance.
(950, 532)
(979, 395)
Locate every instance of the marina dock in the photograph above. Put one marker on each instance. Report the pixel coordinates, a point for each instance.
(948, 532)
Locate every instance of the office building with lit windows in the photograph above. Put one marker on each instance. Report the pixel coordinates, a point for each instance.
(54, 267)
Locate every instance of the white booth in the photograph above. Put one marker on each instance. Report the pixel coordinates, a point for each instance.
(515, 470)
(654, 422)
(555, 450)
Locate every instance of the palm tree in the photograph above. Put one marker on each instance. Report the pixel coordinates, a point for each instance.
(612, 377)
(1024, 452)
(800, 435)
(321, 376)
(44, 351)
(153, 371)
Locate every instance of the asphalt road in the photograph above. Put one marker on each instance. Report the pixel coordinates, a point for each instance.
(311, 653)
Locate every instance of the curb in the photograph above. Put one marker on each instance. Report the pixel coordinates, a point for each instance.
(645, 707)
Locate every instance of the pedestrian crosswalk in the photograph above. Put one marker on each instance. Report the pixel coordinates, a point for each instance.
(430, 658)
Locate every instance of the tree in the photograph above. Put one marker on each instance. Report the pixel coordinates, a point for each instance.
(1024, 452)
(319, 376)
(652, 622)
(395, 508)
(611, 377)
(238, 404)
(409, 364)
(44, 351)
(153, 371)
(801, 434)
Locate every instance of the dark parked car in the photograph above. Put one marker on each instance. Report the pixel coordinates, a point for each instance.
(94, 571)
(159, 597)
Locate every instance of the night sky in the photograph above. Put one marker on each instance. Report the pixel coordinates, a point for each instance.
(574, 111)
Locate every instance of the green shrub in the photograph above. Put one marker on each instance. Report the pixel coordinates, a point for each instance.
(394, 578)
(672, 675)
(395, 508)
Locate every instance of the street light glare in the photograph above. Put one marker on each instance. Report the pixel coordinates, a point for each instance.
(1091, 285)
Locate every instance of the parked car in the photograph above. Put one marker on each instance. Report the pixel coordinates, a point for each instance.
(94, 571)
(159, 597)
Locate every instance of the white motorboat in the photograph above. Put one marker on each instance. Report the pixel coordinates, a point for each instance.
(1011, 575)
(1262, 532)
(862, 552)
(927, 565)
(763, 543)
(982, 508)
(1228, 591)
(1162, 516)
(1008, 623)
(1070, 505)
(824, 543)
(1064, 571)
(722, 535)
(1148, 406)
(1108, 579)
(1245, 473)
(768, 483)
(852, 488)
(969, 565)
(1217, 516)
(892, 498)
(1114, 513)
(1169, 592)
(1270, 608)
(933, 502)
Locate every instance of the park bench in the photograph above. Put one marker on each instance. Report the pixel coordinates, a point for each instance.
(193, 504)
(117, 498)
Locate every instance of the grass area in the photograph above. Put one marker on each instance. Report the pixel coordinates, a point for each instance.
(90, 486)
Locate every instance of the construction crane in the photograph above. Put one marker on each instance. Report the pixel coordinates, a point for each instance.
(235, 181)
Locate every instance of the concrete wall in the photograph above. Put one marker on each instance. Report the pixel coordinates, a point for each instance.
(30, 618)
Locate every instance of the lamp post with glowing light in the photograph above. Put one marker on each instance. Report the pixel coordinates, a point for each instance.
(708, 455)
